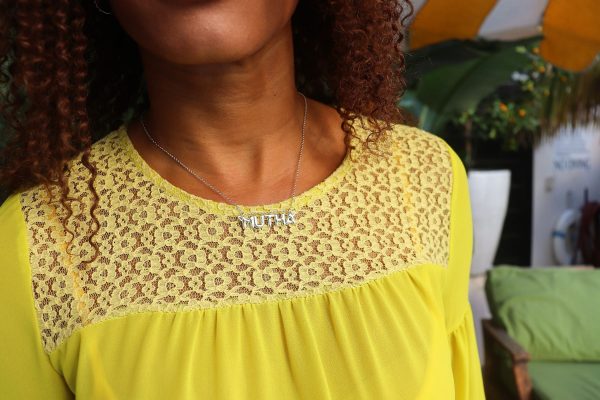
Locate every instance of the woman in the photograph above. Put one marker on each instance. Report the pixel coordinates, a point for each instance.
(217, 200)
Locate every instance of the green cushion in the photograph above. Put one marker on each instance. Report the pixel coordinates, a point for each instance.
(553, 312)
(555, 380)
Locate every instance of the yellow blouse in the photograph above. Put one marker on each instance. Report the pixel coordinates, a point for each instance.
(364, 297)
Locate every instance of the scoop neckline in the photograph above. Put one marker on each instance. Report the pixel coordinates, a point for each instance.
(221, 207)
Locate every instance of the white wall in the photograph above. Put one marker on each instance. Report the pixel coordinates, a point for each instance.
(562, 168)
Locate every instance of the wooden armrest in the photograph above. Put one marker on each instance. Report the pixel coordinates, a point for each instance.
(520, 357)
(500, 336)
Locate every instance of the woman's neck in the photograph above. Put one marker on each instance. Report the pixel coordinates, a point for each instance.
(227, 117)
(238, 124)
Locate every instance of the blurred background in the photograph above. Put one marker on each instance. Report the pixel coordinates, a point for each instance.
(514, 87)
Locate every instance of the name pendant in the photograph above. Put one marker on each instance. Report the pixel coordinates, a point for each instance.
(259, 221)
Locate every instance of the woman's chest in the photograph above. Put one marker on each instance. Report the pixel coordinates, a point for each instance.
(384, 339)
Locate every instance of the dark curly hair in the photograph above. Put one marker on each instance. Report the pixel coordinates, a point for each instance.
(69, 75)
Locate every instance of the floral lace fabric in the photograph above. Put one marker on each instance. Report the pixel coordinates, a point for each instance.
(163, 249)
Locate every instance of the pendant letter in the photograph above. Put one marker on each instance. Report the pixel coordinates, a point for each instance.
(280, 219)
(244, 221)
(255, 223)
(290, 219)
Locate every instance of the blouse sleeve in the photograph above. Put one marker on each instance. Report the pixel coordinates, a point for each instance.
(25, 369)
(466, 367)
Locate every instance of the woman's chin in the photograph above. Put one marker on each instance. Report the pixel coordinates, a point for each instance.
(183, 53)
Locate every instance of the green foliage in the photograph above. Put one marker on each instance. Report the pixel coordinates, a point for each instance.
(459, 84)
(497, 91)
(513, 114)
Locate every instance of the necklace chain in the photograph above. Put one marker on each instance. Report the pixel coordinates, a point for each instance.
(253, 220)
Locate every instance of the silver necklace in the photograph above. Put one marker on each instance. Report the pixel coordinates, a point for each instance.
(255, 221)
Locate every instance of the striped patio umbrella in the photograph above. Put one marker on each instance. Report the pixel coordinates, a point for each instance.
(570, 28)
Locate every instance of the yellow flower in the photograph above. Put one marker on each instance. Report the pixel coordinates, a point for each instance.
(536, 50)
(503, 107)
(542, 69)
(522, 113)
(529, 86)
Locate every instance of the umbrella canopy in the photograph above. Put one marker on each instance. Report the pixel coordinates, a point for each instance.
(570, 28)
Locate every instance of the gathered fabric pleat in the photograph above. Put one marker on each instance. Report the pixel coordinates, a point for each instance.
(384, 339)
